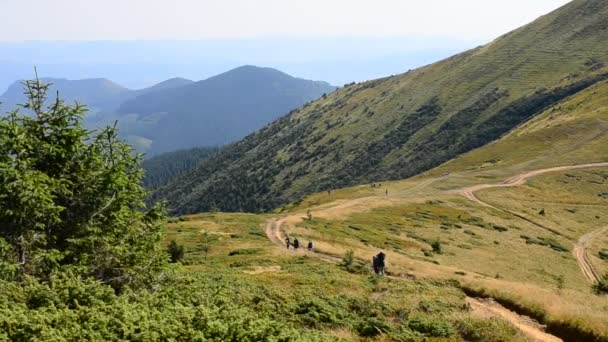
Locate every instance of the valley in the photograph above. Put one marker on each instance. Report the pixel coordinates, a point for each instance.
(464, 200)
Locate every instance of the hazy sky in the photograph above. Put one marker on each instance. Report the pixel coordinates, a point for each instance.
(140, 42)
(204, 19)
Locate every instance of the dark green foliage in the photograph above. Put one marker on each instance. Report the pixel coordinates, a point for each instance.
(362, 167)
(176, 251)
(191, 309)
(373, 327)
(430, 327)
(486, 330)
(245, 251)
(348, 259)
(71, 199)
(437, 247)
(161, 169)
(500, 228)
(352, 265)
(545, 242)
(601, 287)
(603, 254)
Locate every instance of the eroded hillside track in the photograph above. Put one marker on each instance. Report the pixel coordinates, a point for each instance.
(580, 247)
(276, 231)
(581, 254)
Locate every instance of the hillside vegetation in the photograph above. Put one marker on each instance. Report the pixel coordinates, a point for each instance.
(523, 246)
(161, 169)
(399, 126)
(81, 257)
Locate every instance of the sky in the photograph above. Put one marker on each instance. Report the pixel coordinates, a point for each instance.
(221, 19)
(140, 42)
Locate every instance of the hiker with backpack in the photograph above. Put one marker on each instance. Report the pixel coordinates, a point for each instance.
(311, 245)
(378, 263)
(296, 244)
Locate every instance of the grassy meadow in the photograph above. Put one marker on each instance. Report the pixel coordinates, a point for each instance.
(326, 301)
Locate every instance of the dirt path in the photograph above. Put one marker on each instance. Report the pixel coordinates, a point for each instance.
(521, 179)
(582, 257)
(580, 247)
(487, 308)
(480, 307)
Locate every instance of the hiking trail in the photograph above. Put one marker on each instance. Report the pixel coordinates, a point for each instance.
(486, 307)
(582, 257)
(580, 247)
(482, 307)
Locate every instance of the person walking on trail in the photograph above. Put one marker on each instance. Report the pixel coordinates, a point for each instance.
(296, 244)
(378, 262)
(311, 245)
(287, 242)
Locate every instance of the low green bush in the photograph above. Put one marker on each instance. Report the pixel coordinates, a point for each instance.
(431, 327)
(244, 251)
(601, 287)
(487, 330)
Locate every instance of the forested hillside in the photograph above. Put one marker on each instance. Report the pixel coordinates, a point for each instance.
(399, 126)
(161, 169)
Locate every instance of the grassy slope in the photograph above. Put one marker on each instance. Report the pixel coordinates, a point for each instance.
(399, 126)
(500, 262)
(571, 132)
(483, 249)
(321, 299)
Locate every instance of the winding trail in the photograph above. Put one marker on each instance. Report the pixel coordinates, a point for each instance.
(580, 247)
(482, 307)
(582, 257)
(487, 307)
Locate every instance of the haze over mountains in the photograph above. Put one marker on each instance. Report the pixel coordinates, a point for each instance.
(141, 64)
(399, 126)
(179, 113)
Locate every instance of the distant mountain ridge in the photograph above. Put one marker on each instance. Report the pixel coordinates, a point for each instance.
(397, 127)
(100, 95)
(180, 113)
(220, 109)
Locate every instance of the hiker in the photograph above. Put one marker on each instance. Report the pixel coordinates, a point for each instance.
(378, 263)
(386, 192)
(310, 246)
(296, 244)
(287, 242)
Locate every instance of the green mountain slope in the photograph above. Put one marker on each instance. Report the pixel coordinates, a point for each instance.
(574, 131)
(218, 110)
(161, 169)
(399, 126)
